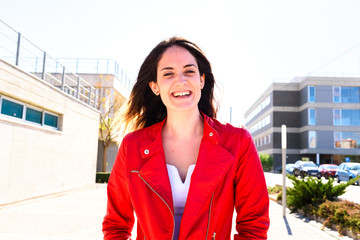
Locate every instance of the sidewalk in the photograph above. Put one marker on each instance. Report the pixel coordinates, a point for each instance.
(78, 215)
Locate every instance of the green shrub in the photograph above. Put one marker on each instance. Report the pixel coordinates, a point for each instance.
(344, 214)
(267, 162)
(102, 177)
(275, 189)
(311, 192)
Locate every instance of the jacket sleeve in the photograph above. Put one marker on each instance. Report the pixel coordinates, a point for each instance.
(119, 219)
(251, 196)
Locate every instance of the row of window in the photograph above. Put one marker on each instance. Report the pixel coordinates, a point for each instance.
(341, 117)
(344, 140)
(19, 110)
(340, 94)
(260, 107)
(260, 124)
(263, 140)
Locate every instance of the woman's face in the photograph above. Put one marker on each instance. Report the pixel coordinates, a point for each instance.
(178, 80)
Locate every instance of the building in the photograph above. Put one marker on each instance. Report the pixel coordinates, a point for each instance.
(322, 115)
(113, 88)
(48, 123)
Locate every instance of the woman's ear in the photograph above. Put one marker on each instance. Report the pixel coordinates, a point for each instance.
(202, 81)
(154, 87)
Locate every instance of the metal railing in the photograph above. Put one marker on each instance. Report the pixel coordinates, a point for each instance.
(17, 50)
(97, 66)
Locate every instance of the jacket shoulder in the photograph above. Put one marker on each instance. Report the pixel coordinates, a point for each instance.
(144, 134)
(229, 130)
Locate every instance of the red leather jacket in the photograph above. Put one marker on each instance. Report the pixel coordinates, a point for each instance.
(228, 173)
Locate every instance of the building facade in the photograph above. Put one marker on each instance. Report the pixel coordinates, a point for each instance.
(322, 115)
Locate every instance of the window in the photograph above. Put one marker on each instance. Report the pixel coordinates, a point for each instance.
(347, 140)
(312, 139)
(27, 113)
(346, 94)
(336, 94)
(346, 117)
(33, 115)
(260, 124)
(312, 117)
(259, 108)
(51, 120)
(311, 94)
(11, 108)
(337, 117)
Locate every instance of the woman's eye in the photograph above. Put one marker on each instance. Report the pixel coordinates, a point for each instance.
(190, 71)
(168, 74)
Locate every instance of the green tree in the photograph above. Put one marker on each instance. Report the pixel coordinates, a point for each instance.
(266, 162)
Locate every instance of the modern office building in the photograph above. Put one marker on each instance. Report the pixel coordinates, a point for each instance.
(322, 115)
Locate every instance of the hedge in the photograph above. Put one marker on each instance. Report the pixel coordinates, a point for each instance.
(102, 177)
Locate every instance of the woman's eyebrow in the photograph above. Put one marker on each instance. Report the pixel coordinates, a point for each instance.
(167, 68)
(190, 65)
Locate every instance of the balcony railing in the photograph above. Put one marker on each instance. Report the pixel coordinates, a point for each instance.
(17, 50)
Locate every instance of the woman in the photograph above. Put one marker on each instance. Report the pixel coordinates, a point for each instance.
(182, 172)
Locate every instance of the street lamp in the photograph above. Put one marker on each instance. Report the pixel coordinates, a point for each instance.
(283, 148)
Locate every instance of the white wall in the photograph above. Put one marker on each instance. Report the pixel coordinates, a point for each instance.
(36, 161)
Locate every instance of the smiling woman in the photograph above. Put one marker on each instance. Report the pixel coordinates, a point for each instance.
(183, 172)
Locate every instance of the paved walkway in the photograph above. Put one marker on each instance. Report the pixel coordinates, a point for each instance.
(78, 215)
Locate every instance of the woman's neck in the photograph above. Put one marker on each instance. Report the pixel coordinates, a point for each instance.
(183, 125)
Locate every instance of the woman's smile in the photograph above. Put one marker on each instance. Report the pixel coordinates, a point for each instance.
(181, 94)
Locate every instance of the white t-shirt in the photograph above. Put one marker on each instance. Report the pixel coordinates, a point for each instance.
(179, 191)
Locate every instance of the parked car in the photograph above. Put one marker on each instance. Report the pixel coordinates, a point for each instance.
(347, 171)
(305, 168)
(328, 170)
(289, 168)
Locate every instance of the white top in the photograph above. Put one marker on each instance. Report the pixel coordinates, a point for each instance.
(179, 192)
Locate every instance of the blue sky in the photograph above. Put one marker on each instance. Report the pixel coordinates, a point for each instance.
(250, 43)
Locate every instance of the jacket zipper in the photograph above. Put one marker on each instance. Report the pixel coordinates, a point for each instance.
(213, 236)
(207, 230)
(163, 201)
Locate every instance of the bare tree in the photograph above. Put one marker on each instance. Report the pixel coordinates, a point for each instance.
(109, 126)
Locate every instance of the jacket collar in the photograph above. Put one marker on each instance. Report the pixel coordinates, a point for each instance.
(212, 164)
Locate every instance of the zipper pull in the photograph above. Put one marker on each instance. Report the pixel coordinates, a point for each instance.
(213, 236)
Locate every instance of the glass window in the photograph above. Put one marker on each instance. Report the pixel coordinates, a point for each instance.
(337, 139)
(347, 139)
(51, 120)
(337, 117)
(312, 117)
(11, 108)
(350, 94)
(312, 139)
(311, 94)
(347, 117)
(336, 94)
(350, 117)
(33, 115)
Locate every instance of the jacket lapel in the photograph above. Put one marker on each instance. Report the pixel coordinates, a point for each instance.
(212, 164)
(154, 170)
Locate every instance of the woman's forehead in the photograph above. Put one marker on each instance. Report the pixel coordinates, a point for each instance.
(176, 55)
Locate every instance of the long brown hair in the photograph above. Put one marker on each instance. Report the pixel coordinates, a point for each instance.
(144, 107)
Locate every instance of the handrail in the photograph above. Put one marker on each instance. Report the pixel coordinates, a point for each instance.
(18, 50)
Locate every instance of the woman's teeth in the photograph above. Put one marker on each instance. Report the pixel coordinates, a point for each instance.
(179, 94)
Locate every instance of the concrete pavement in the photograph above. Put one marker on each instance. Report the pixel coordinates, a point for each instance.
(77, 215)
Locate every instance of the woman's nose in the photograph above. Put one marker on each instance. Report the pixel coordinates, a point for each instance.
(181, 79)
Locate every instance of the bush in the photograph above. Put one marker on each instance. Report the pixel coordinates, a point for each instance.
(311, 192)
(344, 214)
(274, 190)
(102, 177)
(266, 162)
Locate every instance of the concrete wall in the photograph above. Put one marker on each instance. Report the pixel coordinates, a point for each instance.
(36, 161)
